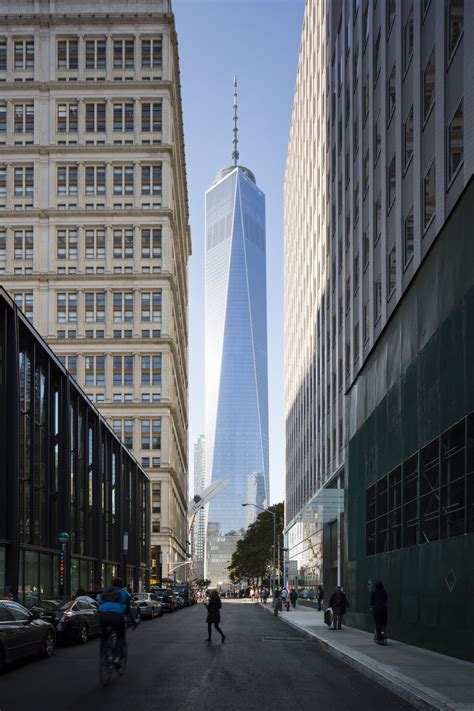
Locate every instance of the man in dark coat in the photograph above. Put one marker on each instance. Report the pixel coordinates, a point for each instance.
(293, 597)
(339, 604)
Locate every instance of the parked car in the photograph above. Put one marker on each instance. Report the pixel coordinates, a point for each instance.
(150, 606)
(180, 602)
(23, 634)
(74, 620)
(187, 593)
(167, 598)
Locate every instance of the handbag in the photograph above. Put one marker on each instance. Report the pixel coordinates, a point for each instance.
(328, 616)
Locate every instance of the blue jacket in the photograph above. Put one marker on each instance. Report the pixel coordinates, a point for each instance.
(122, 606)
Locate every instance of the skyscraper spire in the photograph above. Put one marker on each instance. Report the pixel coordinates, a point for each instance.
(235, 152)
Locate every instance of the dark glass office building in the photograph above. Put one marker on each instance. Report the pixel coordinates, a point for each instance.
(62, 469)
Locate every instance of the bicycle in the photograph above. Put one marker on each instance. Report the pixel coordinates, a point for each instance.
(107, 667)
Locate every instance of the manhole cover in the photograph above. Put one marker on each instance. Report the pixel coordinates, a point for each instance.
(283, 639)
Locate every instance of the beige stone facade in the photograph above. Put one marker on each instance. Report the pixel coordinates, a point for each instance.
(94, 236)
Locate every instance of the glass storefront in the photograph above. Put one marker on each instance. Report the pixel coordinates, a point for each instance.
(38, 576)
(2, 571)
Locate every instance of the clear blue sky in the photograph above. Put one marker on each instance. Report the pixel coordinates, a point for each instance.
(258, 40)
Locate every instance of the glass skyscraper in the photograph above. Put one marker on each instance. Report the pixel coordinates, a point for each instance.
(236, 360)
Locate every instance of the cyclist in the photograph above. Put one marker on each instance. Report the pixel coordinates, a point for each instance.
(113, 610)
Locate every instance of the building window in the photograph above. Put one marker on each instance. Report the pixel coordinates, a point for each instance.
(24, 301)
(366, 172)
(3, 181)
(95, 244)
(356, 347)
(366, 323)
(152, 53)
(456, 142)
(366, 244)
(377, 139)
(3, 118)
(123, 306)
(123, 117)
(408, 139)
(24, 118)
(124, 430)
(95, 306)
(151, 370)
(3, 55)
(377, 58)
(24, 181)
(151, 116)
(95, 179)
(66, 307)
(390, 16)
(24, 53)
(23, 244)
(123, 370)
(66, 243)
(455, 24)
(95, 370)
(355, 272)
(391, 94)
(95, 117)
(356, 68)
(378, 219)
(3, 247)
(348, 36)
(429, 194)
(67, 118)
(96, 54)
(356, 204)
(151, 434)
(355, 139)
(429, 76)
(123, 54)
(151, 242)
(151, 179)
(365, 100)
(151, 306)
(378, 299)
(409, 237)
(123, 179)
(68, 54)
(123, 243)
(391, 183)
(391, 272)
(408, 41)
(365, 24)
(67, 180)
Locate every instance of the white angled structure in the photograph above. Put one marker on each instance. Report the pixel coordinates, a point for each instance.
(94, 238)
(198, 532)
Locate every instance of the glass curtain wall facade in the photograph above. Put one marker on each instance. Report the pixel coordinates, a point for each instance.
(64, 471)
(236, 355)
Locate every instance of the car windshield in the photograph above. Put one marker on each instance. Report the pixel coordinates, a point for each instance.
(53, 604)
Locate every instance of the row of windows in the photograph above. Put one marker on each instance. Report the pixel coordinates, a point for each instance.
(95, 181)
(124, 117)
(123, 369)
(125, 51)
(150, 432)
(122, 242)
(95, 306)
(96, 333)
(427, 498)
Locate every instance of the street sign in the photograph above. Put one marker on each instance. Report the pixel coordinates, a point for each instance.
(63, 537)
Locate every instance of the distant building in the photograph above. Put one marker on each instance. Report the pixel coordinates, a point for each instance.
(256, 495)
(199, 526)
(380, 152)
(236, 347)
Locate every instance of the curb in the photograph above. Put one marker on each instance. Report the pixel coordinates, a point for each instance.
(421, 697)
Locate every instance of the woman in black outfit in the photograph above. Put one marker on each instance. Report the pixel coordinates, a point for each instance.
(378, 603)
(214, 615)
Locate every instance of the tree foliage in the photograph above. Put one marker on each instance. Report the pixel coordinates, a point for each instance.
(253, 556)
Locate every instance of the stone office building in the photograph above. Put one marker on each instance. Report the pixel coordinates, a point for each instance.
(94, 237)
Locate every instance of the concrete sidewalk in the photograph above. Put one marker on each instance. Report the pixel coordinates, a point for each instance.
(426, 679)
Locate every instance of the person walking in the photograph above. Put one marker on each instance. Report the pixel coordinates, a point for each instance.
(378, 604)
(339, 604)
(293, 597)
(284, 596)
(214, 615)
(320, 597)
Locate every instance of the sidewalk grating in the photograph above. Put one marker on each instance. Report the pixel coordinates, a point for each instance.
(274, 638)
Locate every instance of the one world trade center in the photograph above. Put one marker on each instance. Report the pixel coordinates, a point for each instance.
(236, 359)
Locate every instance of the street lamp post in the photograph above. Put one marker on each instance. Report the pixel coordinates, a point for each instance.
(274, 539)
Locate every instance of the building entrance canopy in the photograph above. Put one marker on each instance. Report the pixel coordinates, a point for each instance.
(324, 506)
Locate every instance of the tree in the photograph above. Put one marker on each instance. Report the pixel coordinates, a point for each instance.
(253, 557)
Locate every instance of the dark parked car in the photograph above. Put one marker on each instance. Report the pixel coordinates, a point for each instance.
(187, 593)
(167, 598)
(23, 634)
(75, 620)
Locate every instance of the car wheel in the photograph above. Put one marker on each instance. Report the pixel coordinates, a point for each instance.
(83, 633)
(48, 645)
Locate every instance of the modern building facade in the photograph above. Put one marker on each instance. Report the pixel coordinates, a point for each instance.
(94, 238)
(198, 541)
(379, 153)
(236, 348)
(63, 470)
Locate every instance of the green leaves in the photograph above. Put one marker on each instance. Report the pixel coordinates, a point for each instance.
(253, 556)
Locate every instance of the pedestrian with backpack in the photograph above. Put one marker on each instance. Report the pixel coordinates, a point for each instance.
(113, 611)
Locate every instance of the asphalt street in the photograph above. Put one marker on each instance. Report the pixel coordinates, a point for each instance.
(171, 666)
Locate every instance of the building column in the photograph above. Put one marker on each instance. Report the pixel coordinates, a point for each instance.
(109, 249)
(81, 249)
(109, 315)
(81, 313)
(109, 176)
